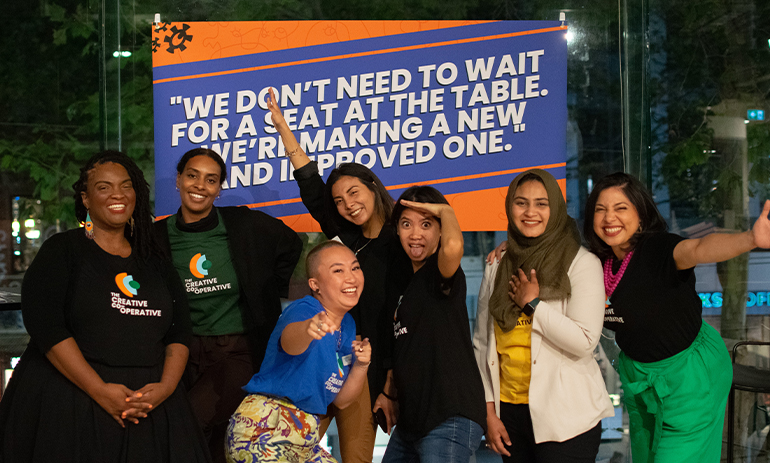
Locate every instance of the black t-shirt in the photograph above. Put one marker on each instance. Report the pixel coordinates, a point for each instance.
(382, 259)
(655, 310)
(434, 368)
(120, 311)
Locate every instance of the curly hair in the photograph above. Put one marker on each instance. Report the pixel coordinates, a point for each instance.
(143, 237)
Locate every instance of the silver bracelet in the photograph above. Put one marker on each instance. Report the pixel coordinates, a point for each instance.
(292, 152)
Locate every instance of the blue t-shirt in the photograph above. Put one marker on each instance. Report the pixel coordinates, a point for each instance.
(312, 379)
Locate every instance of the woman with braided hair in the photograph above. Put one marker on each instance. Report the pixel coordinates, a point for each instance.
(109, 327)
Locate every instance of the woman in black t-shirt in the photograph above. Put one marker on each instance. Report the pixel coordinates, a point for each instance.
(441, 408)
(675, 370)
(109, 328)
(353, 206)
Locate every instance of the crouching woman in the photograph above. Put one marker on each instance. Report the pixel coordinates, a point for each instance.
(312, 360)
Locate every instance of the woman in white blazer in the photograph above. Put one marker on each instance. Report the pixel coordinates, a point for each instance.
(540, 316)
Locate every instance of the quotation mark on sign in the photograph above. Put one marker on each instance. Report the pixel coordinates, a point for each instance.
(175, 100)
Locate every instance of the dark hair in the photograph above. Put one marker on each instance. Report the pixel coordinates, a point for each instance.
(418, 194)
(203, 152)
(143, 238)
(383, 202)
(311, 261)
(650, 219)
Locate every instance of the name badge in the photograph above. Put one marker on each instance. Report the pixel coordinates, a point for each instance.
(347, 359)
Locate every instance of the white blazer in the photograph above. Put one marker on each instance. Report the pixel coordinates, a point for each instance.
(567, 396)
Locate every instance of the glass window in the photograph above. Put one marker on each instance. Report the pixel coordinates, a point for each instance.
(675, 93)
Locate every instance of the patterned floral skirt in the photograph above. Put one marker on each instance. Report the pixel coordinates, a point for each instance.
(266, 429)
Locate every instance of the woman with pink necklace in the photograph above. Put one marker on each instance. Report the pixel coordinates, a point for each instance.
(675, 369)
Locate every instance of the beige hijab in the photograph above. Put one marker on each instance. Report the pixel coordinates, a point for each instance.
(550, 254)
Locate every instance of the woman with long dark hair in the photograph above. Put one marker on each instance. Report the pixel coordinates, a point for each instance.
(675, 369)
(435, 380)
(109, 328)
(353, 206)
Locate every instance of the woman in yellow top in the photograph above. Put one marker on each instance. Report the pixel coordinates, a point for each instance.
(540, 315)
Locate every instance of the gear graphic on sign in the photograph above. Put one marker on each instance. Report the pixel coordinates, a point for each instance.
(155, 44)
(178, 38)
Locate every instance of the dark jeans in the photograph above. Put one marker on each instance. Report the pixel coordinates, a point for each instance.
(218, 367)
(518, 423)
(453, 441)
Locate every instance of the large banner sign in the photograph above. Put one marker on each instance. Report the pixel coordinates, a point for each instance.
(461, 106)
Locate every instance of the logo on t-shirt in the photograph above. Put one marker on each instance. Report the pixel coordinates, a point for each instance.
(126, 284)
(339, 365)
(129, 287)
(199, 266)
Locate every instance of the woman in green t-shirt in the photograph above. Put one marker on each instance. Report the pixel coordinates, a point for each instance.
(235, 264)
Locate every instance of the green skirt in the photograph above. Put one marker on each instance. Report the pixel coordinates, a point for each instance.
(676, 406)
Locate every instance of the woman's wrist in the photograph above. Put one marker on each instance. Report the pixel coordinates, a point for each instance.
(361, 364)
(389, 397)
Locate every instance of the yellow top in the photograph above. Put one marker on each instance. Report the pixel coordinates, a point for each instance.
(515, 351)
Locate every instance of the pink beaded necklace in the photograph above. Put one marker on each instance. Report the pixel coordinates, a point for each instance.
(611, 281)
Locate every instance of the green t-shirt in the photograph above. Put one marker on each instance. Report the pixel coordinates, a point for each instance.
(206, 268)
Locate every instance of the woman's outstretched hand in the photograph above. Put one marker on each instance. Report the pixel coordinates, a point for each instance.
(761, 230)
(319, 326)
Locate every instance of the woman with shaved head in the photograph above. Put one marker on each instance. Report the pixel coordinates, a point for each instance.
(312, 360)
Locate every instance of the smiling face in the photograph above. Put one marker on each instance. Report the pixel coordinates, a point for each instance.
(531, 210)
(419, 234)
(199, 185)
(354, 201)
(338, 279)
(616, 220)
(109, 197)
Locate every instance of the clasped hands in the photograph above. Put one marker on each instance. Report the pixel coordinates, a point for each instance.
(124, 404)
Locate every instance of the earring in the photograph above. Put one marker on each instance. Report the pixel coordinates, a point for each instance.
(89, 226)
(131, 223)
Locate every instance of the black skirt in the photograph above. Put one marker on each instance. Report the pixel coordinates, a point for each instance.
(44, 417)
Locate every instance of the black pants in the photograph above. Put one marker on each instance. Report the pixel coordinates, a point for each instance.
(518, 423)
(217, 369)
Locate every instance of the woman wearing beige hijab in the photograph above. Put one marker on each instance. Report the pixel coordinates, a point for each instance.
(540, 315)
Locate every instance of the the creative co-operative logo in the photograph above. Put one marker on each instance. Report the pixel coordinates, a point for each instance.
(126, 284)
(199, 266)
